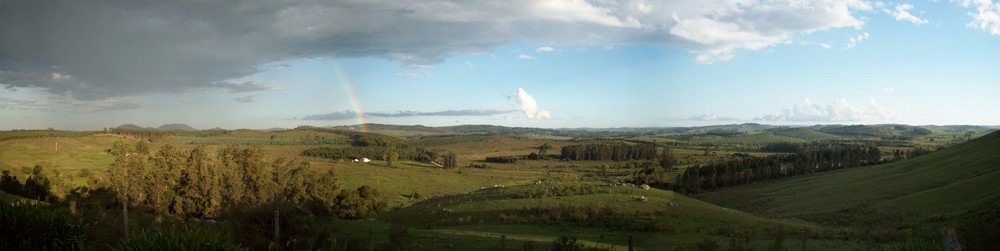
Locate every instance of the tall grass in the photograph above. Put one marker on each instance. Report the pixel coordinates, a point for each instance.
(176, 239)
(30, 227)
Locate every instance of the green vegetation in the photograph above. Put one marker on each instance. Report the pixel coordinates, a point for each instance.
(176, 239)
(28, 226)
(300, 188)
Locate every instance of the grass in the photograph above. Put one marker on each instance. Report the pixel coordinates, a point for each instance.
(477, 219)
(948, 182)
(461, 209)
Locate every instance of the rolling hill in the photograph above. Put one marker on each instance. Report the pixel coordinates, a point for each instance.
(946, 184)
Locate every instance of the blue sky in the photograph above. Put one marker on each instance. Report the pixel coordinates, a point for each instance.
(517, 63)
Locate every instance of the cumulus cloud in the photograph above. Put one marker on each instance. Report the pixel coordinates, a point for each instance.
(246, 99)
(529, 106)
(889, 89)
(838, 111)
(901, 13)
(525, 57)
(710, 117)
(825, 45)
(112, 49)
(855, 40)
(544, 49)
(986, 16)
(715, 30)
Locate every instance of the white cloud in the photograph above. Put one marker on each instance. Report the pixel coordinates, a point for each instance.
(855, 40)
(710, 117)
(901, 13)
(544, 49)
(880, 112)
(59, 77)
(716, 30)
(526, 57)
(825, 45)
(986, 17)
(889, 89)
(529, 106)
(423, 74)
(838, 111)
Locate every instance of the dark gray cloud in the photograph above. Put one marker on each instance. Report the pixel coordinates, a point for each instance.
(95, 49)
(347, 114)
(248, 86)
(341, 115)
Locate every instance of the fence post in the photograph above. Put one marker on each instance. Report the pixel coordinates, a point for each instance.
(125, 213)
(804, 246)
(631, 243)
(371, 238)
(732, 240)
(868, 233)
(503, 242)
(950, 239)
(277, 228)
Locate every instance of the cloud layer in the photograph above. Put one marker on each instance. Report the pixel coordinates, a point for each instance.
(837, 111)
(94, 49)
(348, 114)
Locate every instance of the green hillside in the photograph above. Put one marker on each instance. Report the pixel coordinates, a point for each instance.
(941, 185)
(803, 133)
(598, 214)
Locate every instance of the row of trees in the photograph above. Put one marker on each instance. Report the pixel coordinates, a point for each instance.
(502, 159)
(616, 152)
(379, 153)
(193, 183)
(751, 169)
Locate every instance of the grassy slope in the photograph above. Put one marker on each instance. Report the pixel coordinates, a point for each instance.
(687, 220)
(950, 182)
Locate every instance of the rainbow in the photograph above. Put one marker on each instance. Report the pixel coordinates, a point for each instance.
(353, 97)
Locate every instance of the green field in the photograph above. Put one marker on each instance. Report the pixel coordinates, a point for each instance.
(533, 202)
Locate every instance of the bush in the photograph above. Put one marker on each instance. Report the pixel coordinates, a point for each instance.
(176, 239)
(24, 227)
(565, 243)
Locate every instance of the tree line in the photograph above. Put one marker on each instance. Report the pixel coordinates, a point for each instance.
(195, 184)
(615, 152)
(747, 170)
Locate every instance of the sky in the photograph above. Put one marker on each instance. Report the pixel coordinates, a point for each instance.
(93, 64)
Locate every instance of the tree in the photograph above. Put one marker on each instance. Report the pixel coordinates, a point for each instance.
(393, 156)
(544, 149)
(667, 159)
(450, 161)
(125, 176)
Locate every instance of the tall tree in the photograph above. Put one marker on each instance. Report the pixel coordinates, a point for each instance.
(393, 156)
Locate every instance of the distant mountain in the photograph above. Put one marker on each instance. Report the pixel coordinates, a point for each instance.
(131, 126)
(179, 127)
(856, 131)
(166, 127)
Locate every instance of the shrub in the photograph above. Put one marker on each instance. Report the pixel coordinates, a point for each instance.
(565, 243)
(176, 239)
(24, 226)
